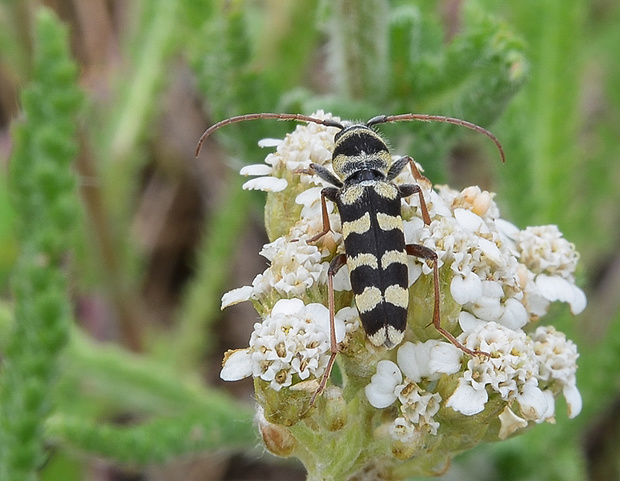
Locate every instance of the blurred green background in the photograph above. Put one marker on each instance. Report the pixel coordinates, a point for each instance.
(110, 328)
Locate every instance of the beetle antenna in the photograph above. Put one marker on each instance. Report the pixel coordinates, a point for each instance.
(242, 118)
(382, 119)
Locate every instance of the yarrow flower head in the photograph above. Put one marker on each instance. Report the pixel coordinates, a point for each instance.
(417, 399)
(292, 341)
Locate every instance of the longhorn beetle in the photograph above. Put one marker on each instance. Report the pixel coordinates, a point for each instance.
(369, 205)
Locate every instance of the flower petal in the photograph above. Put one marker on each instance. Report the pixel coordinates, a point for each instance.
(287, 307)
(380, 392)
(256, 169)
(413, 360)
(533, 403)
(445, 358)
(469, 322)
(515, 316)
(573, 400)
(466, 289)
(267, 184)
(510, 423)
(467, 400)
(241, 294)
(237, 365)
(556, 288)
(269, 142)
(470, 221)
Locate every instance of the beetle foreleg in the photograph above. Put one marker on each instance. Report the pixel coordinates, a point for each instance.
(329, 193)
(409, 189)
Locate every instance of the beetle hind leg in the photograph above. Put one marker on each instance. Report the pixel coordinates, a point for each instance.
(335, 265)
(426, 253)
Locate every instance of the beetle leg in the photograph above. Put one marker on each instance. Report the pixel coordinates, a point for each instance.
(409, 189)
(329, 193)
(425, 253)
(335, 265)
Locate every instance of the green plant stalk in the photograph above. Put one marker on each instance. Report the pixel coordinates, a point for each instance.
(554, 124)
(358, 51)
(155, 441)
(43, 190)
(124, 381)
(128, 124)
(202, 299)
(543, 121)
(117, 160)
(186, 417)
(131, 122)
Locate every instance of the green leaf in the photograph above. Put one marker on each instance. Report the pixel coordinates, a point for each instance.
(43, 191)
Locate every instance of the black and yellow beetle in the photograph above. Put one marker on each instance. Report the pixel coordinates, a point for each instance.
(369, 205)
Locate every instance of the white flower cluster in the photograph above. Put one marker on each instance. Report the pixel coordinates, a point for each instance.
(501, 274)
(294, 267)
(292, 341)
(524, 370)
(420, 363)
(551, 262)
(308, 143)
(502, 280)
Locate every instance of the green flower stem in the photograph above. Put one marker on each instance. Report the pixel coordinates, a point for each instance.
(334, 455)
(43, 190)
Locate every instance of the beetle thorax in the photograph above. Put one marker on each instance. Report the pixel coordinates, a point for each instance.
(358, 148)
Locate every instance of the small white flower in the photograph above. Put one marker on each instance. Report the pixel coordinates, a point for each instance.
(418, 407)
(466, 288)
(237, 365)
(428, 360)
(478, 201)
(295, 267)
(468, 399)
(423, 361)
(532, 402)
(489, 306)
(403, 431)
(381, 392)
